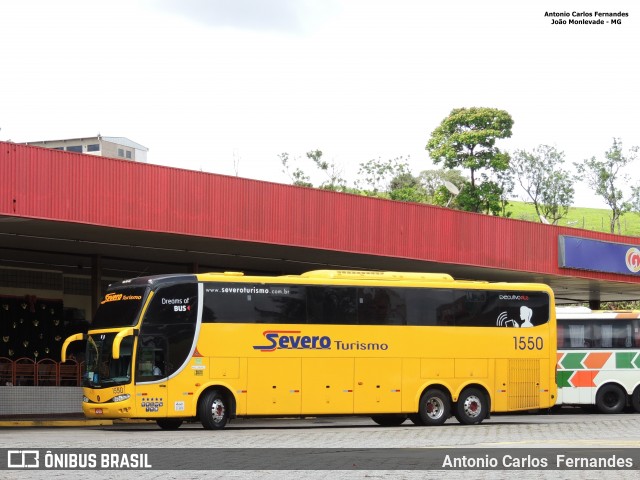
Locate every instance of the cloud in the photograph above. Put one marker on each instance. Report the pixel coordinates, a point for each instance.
(285, 16)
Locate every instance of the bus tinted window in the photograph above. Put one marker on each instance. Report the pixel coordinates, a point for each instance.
(233, 303)
(596, 333)
(332, 305)
(167, 331)
(382, 306)
(243, 303)
(119, 307)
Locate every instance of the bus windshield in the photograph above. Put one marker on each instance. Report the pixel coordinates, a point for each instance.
(102, 369)
(120, 307)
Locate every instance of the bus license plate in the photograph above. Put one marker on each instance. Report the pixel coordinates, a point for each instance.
(98, 411)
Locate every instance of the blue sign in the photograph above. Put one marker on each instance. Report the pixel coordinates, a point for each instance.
(599, 256)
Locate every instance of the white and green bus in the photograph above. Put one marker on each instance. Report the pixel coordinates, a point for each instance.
(599, 358)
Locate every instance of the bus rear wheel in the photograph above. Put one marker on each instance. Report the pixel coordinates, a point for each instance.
(390, 420)
(213, 410)
(169, 423)
(434, 407)
(611, 399)
(635, 400)
(471, 407)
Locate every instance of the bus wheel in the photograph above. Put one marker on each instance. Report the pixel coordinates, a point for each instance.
(169, 423)
(389, 420)
(635, 400)
(213, 410)
(611, 399)
(434, 407)
(471, 407)
(415, 418)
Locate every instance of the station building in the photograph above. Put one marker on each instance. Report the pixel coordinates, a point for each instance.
(71, 223)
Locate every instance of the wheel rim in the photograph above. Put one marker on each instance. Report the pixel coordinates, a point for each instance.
(434, 408)
(217, 410)
(472, 406)
(611, 399)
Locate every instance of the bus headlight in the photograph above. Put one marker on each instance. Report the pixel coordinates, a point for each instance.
(85, 399)
(121, 398)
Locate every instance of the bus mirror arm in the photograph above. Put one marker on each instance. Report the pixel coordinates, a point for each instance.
(72, 338)
(118, 340)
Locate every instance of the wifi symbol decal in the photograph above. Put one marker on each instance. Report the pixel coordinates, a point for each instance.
(503, 317)
(505, 321)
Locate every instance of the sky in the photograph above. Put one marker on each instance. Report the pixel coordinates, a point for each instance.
(226, 86)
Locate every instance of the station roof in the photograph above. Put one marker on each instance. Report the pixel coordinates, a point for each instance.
(62, 210)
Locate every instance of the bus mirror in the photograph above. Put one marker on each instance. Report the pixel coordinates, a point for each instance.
(118, 340)
(72, 338)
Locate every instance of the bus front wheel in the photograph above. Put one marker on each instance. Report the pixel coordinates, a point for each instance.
(213, 410)
(611, 399)
(471, 407)
(434, 407)
(169, 423)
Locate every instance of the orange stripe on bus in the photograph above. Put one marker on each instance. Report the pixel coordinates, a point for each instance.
(559, 355)
(582, 378)
(596, 360)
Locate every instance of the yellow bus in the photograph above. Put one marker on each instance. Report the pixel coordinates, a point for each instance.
(216, 346)
(599, 358)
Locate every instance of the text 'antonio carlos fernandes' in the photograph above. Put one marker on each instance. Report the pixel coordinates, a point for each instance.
(533, 462)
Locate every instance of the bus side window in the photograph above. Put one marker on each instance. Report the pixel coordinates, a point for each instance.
(561, 333)
(332, 305)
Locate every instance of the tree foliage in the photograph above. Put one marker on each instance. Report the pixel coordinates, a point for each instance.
(376, 175)
(407, 188)
(333, 173)
(297, 176)
(467, 139)
(433, 183)
(605, 176)
(546, 183)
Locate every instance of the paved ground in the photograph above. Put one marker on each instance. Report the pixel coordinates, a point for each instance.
(519, 435)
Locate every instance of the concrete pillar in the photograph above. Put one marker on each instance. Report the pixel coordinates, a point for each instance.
(96, 282)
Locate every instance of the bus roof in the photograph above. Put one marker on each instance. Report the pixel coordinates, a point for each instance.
(584, 313)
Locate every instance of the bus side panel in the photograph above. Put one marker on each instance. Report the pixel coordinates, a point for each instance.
(546, 388)
(500, 394)
(183, 388)
(378, 383)
(274, 386)
(327, 385)
(582, 372)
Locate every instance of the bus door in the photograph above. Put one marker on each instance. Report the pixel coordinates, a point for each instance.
(152, 391)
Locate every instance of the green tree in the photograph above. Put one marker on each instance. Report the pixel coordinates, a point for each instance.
(433, 183)
(604, 176)
(405, 187)
(333, 173)
(506, 184)
(547, 184)
(376, 175)
(467, 139)
(297, 176)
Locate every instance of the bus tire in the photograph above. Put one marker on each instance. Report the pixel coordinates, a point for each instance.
(390, 420)
(611, 399)
(434, 408)
(169, 423)
(471, 407)
(635, 400)
(213, 410)
(415, 418)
